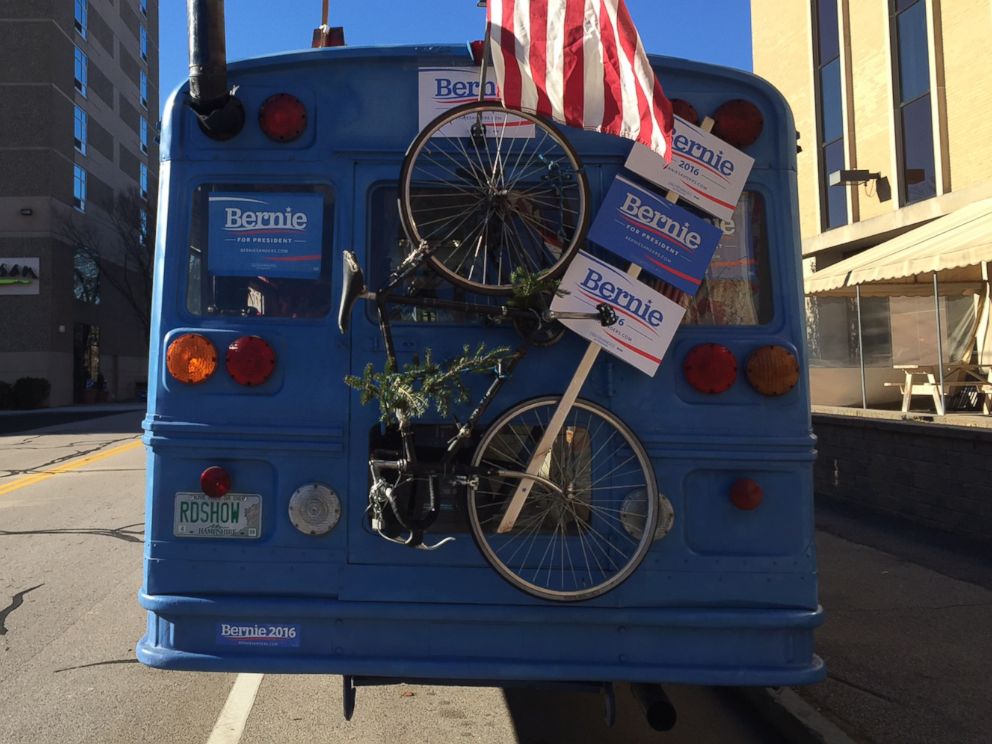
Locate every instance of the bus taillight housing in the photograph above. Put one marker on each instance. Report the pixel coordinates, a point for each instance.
(283, 118)
(710, 368)
(773, 370)
(191, 358)
(738, 122)
(250, 360)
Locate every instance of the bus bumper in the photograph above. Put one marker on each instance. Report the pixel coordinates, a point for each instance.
(702, 646)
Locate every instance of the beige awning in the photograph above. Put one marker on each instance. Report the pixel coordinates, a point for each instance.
(954, 247)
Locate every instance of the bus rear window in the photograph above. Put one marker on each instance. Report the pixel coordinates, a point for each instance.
(260, 251)
(737, 288)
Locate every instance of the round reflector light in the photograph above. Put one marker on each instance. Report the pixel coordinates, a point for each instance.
(710, 368)
(191, 358)
(773, 370)
(250, 360)
(738, 122)
(746, 494)
(215, 482)
(685, 110)
(282, 117)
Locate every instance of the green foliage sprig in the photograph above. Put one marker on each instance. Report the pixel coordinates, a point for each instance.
(410, 392)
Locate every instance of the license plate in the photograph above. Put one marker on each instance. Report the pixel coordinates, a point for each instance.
(234, 515)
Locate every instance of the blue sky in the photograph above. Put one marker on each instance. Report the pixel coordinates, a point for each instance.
(717, 31)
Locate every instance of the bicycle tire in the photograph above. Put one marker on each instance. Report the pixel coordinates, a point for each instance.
(529, 196)
(578, 544)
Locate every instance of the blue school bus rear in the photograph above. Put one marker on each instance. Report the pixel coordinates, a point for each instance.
(259, 554)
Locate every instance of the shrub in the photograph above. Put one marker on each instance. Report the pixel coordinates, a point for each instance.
(30, 392)
(6, 395)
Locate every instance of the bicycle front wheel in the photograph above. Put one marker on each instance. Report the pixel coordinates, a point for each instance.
(493, 192)
(590, 517)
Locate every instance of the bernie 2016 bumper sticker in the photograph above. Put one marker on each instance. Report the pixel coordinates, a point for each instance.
(647, 319)
(272, 235)
(258, 635)
(661, 238)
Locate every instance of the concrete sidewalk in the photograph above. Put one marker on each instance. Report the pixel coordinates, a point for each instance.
(12, 422)
(908, 633)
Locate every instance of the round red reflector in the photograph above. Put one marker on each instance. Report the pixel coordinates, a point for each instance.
(738, 122)
(282, 117)
(250, 360)
(685, 110)
(215, 482)
(746, 494)
(710, 368)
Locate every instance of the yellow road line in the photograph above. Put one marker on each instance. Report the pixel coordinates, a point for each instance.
(30, 480)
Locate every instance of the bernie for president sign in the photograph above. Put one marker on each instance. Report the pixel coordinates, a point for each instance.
(660, 237)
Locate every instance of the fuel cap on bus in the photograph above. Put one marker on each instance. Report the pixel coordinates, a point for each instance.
(314, 509)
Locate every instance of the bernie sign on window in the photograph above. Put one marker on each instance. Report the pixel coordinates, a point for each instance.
(273, 235)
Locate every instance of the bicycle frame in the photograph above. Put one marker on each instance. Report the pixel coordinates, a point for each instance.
(383, 493)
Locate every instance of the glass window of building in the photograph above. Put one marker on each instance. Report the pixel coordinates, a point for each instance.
(144, 181)
(829, 101)
(144, 7)
(914, 114)
(143, 225)
(143, 134)
(79, 20)
(85, 276)
(81, 64)
(143, 89)
(79, 188)
(143, 42)
(79, 130)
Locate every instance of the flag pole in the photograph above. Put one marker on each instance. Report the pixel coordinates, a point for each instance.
(325, 15)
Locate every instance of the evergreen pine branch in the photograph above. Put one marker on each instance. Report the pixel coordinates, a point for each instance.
(410, 392)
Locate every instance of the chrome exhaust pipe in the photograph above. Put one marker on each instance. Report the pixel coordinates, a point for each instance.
(657, 708)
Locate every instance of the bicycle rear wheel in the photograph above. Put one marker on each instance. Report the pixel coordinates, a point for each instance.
(493, 191)
(587, 534)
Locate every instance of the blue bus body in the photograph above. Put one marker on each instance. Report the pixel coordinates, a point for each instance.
(727, 597)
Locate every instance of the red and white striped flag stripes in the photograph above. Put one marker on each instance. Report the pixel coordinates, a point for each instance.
(581, 63)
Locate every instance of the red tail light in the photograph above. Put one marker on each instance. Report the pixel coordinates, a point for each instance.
(738, 123)
(685, 110)
(710, 368)
(282, 117)
(215, 482)
(746, 494)
(250, 360)
(478, 48)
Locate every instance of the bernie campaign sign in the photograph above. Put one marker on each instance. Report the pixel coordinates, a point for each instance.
(705, 170)
(647, 320)
(443, 88)
(274, 235)
(655, 234)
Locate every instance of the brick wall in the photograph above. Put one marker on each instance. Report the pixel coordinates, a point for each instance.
(937, 475)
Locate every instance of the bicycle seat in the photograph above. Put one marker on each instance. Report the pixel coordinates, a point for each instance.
(352, 288)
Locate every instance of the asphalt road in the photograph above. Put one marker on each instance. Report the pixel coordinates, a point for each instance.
(71, 526)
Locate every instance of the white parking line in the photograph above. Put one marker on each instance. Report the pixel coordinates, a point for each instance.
(232, 719)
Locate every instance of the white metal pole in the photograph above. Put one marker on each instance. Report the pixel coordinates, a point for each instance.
(861, 347)
(940, 344)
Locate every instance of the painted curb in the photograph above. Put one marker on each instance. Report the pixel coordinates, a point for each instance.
(795, 719)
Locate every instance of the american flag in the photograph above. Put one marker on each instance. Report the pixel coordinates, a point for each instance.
(581, 63)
